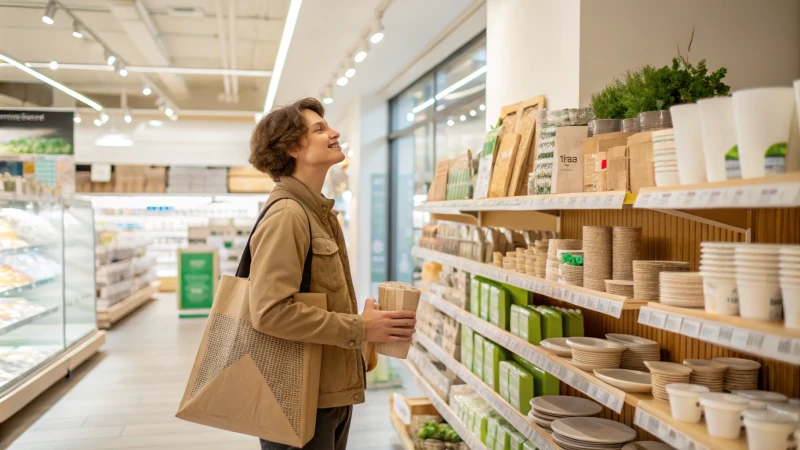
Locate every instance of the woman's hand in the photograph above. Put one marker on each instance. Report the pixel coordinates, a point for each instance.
(388, 326)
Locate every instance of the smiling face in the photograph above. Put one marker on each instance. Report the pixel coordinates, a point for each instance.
(319, 148)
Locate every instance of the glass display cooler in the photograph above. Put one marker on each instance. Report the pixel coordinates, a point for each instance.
(48, 322)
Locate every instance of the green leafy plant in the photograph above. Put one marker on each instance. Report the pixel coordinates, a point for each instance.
(448, 433)
(607, 104)
(430, 430)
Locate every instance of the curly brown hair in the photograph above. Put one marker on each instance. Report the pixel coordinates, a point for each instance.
(277, 134)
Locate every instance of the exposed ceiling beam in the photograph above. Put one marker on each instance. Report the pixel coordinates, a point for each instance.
(233, 54)
(153, 69)
(138, 25)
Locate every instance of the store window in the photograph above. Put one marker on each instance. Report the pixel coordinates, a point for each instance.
(440, 116)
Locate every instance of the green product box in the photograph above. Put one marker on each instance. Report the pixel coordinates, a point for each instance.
(529, 446)
(475, 295)
(486, 295)
(499, 308)
(516, 441)
(491, 432)
(477, 355)
(520, 389)
(467, 342)
(481, 425)
(530, 325)
(551, 322)
(503, 441)
(505, 367)
(493, 354)
(518, 295)
(572, 323)
(543, 382)
(514, 319)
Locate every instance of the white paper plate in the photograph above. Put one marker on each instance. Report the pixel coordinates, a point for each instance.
(565, 406)
(627, 380)
(594, 430)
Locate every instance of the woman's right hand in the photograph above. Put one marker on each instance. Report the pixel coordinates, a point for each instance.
(388, 326)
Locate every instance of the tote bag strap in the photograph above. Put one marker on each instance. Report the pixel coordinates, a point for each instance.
(243, 271)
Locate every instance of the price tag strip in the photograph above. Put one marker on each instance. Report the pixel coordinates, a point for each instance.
(607, 396)
(444, 409)
(782, 348)
(743, 196)
(672, 436)
(595, 302)
(605, 200)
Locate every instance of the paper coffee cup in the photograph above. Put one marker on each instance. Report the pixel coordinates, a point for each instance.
(763, 120)
(688, 143)
(719, 138)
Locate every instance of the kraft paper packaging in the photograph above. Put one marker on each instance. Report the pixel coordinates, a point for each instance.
(396, 296)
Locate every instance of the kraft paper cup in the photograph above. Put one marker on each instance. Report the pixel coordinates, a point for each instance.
(719, 138)
(684, 401)
(723, 414)
(763, 120)
(688, 143)
(791, 304)
(759, 300)
(722, 292)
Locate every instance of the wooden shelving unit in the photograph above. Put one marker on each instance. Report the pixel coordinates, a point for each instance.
(400, 427)
(554, 202)
(117, 312)
(655, 417)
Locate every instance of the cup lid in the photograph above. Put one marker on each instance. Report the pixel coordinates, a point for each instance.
(724, 401)
(686, 389)
(764, 396)
(763, 415)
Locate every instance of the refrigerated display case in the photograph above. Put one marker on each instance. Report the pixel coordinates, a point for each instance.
(47, 313)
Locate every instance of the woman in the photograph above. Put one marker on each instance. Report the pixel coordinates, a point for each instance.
(296, 146)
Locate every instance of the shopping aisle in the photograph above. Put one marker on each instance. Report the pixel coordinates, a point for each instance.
(128, 400)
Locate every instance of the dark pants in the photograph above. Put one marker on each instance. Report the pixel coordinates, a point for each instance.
(333, 426)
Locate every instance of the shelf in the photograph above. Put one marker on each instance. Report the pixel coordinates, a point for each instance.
(14, 325)
(584, 382)
(114, 314)
(577, 200)
(655, 417)
(26, 249)
(765, 339)
(769, 192)
(542, 439)
(400, 427)
(17, 398)
(441, 405)
(602, 302)
(20, 289)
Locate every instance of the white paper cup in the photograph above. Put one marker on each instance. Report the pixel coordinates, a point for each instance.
(684, 401)
(688, 143)
(719, 138)
(760, 300)
(667, 179)
(763, 119)
(769, 430)
(723, 414)
(791, 304)
(723, 291)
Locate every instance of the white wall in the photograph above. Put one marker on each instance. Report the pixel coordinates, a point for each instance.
(758, 41)
(532, 49)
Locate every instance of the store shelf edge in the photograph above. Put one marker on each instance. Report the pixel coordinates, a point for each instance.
(13, 326)
(575, 200)
(20, 289)
(655, 417)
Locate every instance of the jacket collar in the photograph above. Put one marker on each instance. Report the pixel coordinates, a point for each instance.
(316, 203)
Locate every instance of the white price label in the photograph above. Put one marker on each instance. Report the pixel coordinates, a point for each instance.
(709, 332)
(725, 335)
(602, 305)
(644, 316)
(657, 319)
(592, 304)
(739, 339)
(673, 323)
(615, 309)
(690, 328)
(582, 301)
(573, 297)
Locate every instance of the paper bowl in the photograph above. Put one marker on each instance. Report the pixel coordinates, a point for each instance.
(684, 401)
(723, 414)
(595, 345)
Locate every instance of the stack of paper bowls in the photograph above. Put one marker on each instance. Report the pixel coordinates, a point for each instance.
(552, 254)
(591, 433)
(592, 353)
(664, 373)
(521, 259)
(627, 245)
(646, 276)
(719, 277)
(548, 408)
(540, 249)
(757, 281)
(684, 289)
(741, 375)
(789, 277)
(497, 259)
(571, 275)
(665, 160)
(597, 257)
(708, 373)
(510, 261)
(620, 287)
(638, 350)
(558, 346)
(530, 261)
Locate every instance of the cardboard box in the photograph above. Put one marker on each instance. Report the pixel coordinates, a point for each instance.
(618, 177)
(567, 175)
(595, 144)
(640, 151)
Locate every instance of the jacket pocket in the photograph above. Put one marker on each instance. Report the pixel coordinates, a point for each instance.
(340, 369)
(326, 266)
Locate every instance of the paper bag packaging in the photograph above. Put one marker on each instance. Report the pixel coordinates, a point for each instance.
(596, 144)
(640, 150)
(396, 296)
(438, 189)
(235, 384)
(568, 160)
(618, 170)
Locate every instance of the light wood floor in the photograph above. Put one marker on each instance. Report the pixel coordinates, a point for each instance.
(126, 396)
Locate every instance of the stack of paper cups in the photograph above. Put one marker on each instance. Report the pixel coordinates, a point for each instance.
(396, 296)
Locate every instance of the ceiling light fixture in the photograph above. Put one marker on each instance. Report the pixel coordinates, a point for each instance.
(463, 117)
(110, 58)
(342, 81)
(460, 83)
(76, 30)
(350, 73)
(427, 103)
(98, 122)
(169, 112)
(450, 122)
(147, 90)
(482, 107)
(96, 106)
(76, 119)
(27, 64)
(104, 117)
(327, 95)
(49, 13)
(53, 65)
(155, 123)
(123, 72)
(283, 51)
(376, 34)
(361, 53)
(128, 116)
(473, 113)
(410, 117)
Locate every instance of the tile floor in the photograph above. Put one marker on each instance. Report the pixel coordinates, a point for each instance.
(126, 396)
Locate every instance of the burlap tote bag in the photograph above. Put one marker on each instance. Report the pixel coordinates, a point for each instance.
(250, 382)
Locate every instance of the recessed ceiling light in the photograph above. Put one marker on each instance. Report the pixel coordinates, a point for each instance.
(104, 117)
(53, 65)
(361, 53)
(473, 113)
(76, 119)
(169, 112)
(350, 73)
(482, 107)
(327, 100)
(342, 81)
(451, 122)
(123, 72)
(98, 122)
(147, 90)
(463, 117)
(155, 123)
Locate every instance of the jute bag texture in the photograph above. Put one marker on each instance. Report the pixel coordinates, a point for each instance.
(250, 382)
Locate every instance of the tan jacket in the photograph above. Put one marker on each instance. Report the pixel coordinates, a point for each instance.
(279, 246)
